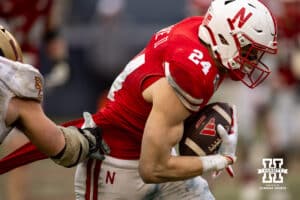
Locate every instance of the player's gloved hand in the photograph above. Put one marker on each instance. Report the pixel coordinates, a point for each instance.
(229, 141)
(98, 147)
(81, 143)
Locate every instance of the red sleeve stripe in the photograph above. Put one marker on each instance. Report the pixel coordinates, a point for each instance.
(187, 104)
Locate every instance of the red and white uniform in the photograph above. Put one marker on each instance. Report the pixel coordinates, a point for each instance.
(27, 20)
(176, 54)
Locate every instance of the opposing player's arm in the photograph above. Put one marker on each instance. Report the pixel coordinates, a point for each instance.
(163, 130)
(66, 146)
(37, 127)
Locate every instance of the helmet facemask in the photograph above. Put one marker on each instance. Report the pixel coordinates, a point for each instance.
(248, 65)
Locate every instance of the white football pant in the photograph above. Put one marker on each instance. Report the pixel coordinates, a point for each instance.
(119, 179)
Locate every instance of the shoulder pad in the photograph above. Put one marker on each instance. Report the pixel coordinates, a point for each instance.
(186, 83)
(190, 70)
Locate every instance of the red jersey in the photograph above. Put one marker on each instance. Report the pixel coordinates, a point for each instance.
(27, 20)
(174, 53)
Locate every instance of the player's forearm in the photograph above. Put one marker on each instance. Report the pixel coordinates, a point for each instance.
(48, 138)
(177, 168)
(66, 146)
(38, 128)
(183, 167)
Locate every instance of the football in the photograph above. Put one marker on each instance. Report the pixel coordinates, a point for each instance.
(200, 135)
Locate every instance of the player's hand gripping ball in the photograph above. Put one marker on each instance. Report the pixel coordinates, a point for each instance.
(200, 135)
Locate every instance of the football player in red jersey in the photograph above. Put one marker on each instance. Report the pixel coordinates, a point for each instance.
(174, 76)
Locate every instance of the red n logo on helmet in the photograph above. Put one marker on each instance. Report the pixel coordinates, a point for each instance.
(241, 17)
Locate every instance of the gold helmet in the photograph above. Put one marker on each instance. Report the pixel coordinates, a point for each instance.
(9, 47)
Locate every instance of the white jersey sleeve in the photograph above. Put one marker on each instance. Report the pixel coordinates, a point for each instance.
(22, 79)
(5, 96)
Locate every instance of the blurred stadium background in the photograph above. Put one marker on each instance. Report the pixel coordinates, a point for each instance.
(103, 35)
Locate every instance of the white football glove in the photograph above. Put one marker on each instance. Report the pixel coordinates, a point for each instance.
(97, 150)
(81, 143)
(229, 141)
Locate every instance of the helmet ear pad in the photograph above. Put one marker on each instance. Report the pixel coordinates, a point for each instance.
(9, 47)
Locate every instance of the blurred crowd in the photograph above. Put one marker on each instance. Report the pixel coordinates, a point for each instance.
(81, 45)
(269, 115)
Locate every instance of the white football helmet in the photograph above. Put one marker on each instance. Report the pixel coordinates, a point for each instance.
(9, 47)
(239, 33)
